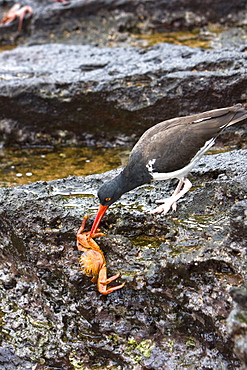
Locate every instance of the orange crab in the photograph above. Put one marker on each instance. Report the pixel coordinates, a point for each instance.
(17, 11)
(93, 260)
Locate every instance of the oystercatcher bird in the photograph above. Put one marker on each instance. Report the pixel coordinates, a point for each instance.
(168, 150)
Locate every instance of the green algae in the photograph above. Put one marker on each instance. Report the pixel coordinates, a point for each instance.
(139, 350)
(147, 241)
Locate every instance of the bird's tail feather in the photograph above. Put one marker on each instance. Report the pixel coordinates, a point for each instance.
(240, 115)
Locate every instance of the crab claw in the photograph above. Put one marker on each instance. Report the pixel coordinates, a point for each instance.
(93, 260)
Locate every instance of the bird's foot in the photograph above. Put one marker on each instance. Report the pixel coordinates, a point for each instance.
(168, 203)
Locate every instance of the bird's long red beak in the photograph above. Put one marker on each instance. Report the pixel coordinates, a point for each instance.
(98, 218)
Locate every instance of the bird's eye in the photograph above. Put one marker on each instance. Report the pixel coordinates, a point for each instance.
(107, 199)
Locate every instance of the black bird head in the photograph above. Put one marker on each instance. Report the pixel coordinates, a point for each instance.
(132, 176)
(110, 192)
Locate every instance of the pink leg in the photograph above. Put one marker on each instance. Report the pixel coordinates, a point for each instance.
(171, 201)
(22, 16)
(10, 19)
(176, 191)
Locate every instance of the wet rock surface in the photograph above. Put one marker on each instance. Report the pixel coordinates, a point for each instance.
(237, 323)
(58, 94)
(113, 22)
(90, 91)
(82, 75)
(179, 271)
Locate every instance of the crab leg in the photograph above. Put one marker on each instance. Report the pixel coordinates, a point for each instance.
(103, 281)
(93, 260)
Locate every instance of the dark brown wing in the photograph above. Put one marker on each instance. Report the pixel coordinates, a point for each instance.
(183, 137)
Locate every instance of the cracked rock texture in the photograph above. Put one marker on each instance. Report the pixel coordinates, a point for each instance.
(58, 93)
(81, 74)
(179, 271)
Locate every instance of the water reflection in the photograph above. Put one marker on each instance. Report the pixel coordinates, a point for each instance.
(21, 166)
